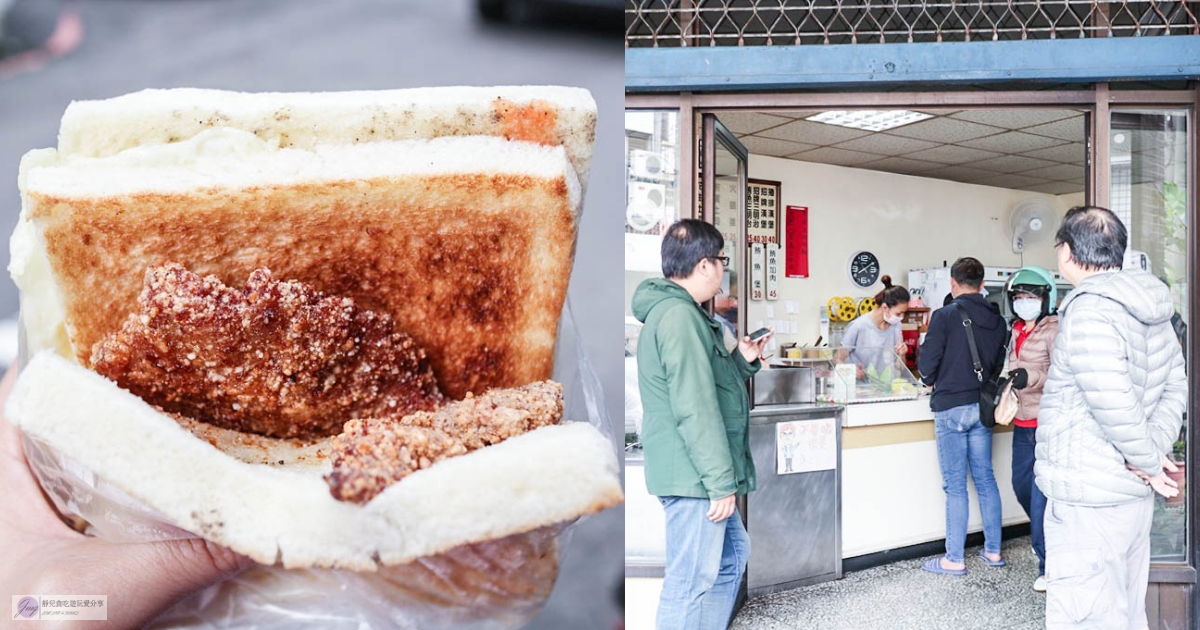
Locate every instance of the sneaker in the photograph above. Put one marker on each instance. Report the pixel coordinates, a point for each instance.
(1039, 584)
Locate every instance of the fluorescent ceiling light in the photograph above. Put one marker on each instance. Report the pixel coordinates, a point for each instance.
(870, 119)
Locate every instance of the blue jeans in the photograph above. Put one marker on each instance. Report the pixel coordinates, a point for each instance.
(1028, 495)
(705, 564)
(962, 440)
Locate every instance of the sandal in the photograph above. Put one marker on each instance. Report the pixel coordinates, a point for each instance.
(934, 565)
(989, 561)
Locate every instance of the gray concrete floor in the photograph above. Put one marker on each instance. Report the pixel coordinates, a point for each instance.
(900, 596)
(269, 45)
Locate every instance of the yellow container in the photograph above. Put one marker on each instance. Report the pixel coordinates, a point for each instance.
(793, 353)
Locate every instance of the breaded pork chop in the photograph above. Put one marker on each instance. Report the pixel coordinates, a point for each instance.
(374, 453)
(273, 358)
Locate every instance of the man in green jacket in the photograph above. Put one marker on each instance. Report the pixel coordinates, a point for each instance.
(695, 430)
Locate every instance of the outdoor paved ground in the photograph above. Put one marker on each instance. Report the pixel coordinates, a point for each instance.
(900, 596)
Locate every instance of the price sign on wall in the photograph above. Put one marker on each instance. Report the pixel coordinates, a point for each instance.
(772, 271)
(757, 272)
(762, 211)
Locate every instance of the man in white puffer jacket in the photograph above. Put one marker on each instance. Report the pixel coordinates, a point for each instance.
(1113, 404)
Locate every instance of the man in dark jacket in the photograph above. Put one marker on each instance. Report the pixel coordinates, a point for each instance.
(945, 363)
(695, 431)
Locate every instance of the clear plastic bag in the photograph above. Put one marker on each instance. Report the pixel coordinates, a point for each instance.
(493, 585)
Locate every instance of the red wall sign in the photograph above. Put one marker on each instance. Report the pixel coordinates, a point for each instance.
(796, 255)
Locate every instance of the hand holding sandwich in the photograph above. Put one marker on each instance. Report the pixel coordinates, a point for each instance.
(141, 580)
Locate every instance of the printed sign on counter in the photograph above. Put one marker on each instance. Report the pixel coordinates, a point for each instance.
(762, 211)
(805, 446)
(772, 271)
(757, 272)
(796, 256)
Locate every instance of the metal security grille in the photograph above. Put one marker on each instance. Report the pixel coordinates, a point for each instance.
(674, 23)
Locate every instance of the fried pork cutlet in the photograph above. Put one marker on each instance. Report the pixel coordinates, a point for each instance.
(274, 358)
(374, 453)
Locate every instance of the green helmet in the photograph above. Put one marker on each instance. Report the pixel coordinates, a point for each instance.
(1033, 280)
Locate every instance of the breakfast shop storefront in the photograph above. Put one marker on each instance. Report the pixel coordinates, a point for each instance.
(906, 158)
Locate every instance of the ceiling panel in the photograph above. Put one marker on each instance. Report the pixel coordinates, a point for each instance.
(833, 155)
(1012, 142)
(1016, 118)
(1067, 129)
(771, 146)
(1011, 164)
(1070, 153)
(1056, 188)
(961, 173)
(1026, 149)
(750, 122)
(813, 133)
(884, 144)
(953, 154)
(937, 112)
(1062, 172)
(946, 130)
(904, 165)
(1011, 181)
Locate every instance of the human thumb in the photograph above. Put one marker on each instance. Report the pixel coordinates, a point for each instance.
(149, 578)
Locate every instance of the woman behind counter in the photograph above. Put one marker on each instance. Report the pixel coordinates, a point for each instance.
(877, 333)
(1032, 296)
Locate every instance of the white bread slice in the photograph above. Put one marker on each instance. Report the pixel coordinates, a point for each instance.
(542, 114)
(466, 241)
(286, 514)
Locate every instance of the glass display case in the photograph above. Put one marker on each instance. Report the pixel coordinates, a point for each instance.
(866, 374)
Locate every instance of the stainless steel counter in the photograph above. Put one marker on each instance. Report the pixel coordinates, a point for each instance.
(794, 518)
(760, 414)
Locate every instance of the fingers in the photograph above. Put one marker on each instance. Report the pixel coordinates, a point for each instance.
(1169, 465)
(720, 509)
(1166, 491)
(157, 575)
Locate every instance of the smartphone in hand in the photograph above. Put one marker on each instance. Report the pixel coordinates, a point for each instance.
(759, 334)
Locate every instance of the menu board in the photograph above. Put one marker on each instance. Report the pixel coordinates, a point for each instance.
(758, 264)
(796, 256)
(805, 446)
(772, 271)
(762, 211)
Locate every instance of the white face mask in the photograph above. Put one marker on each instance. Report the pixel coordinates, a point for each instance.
(1027, 309)
(892, 318)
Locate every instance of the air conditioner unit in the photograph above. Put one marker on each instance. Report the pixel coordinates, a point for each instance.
(645, 165)
(647, 205)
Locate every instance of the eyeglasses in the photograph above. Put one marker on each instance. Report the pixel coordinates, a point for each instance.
(724, 260)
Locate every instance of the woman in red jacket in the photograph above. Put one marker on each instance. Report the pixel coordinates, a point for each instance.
(1032, 298)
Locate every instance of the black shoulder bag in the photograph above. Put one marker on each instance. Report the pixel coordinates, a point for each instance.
(991, 385)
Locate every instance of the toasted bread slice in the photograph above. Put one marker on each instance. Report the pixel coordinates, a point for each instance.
(467, 242)
(285, 513)
(542, 114)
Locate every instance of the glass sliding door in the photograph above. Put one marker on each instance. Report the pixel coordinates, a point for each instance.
(1149, 166)
(723, 168)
